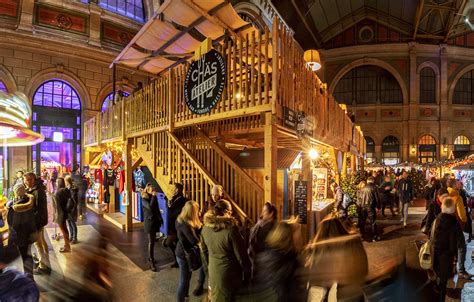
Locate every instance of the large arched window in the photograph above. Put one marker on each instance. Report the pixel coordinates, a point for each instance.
(369, 149)
(462, 146)
(390, 150)
(368, 85)
(3, 87)
(57, 93)
(109, 98)
(426, 149)
(463, 92)
(427, 86)
(57, 115)
(132, 9)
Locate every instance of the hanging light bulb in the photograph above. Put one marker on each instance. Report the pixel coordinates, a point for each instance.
(312, 59)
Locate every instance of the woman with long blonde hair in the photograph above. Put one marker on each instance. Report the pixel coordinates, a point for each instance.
(188, 227)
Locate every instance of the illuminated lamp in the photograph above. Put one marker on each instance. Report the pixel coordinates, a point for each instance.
(312, 59)
(15, 114)
(313, 154)
(57, 137)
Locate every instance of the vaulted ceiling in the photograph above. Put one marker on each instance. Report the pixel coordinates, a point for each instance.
(318, 21)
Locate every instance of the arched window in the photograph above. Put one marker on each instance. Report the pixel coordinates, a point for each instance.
(3, 87)
(427, 86)
(57, 115)
(369, 149)
(390, 150)
(426, 149)
(462, 143)
(368, 85)
(57, 93)
(132, 9)
(463, 92)
(109, 98)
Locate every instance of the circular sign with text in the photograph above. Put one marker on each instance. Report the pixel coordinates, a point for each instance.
(205, 82)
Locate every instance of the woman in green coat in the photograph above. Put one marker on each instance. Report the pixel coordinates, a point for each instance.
(225, 252)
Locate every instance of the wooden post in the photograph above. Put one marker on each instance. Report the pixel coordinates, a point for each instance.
(353, 164)
(362, 163)
(344, 166)
(128, 185)
(275, 66)
(270, 159)
(336, 166)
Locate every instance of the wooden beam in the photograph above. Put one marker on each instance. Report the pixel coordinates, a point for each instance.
(419, 10)
(440, 7)
(137, 163)
(128, 185)
(435, 37)
(270, 160)
(452, 16)
(303, 19)
(210, 17)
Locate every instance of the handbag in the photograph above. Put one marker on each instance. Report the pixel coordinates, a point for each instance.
(425, 255)
(193, 257)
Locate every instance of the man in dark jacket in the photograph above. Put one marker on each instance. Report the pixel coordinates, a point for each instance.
(445, 243)
(14, 285)
(368, 203)
(405, 195)
(36, 188)
(81, 186)
(175, 206)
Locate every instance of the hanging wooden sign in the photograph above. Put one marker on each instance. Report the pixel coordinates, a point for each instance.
(205, 82)
(301, 200)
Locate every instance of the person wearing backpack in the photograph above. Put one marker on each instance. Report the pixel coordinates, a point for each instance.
(368, 204)
(72, 208)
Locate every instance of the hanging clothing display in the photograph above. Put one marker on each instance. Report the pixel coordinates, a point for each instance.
(139, 179)
(120, 179)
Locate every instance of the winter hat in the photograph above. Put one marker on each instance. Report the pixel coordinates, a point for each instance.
(17, 187)
(448, 206)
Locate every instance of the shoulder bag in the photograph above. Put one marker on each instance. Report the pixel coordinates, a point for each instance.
(193, 257)
(426, 253)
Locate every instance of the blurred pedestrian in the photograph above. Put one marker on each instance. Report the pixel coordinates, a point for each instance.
(464, 197)
(277, 264)
(60, 200)
(14, 285)
(36, 188)
(260, 231)
(152, 220)
(405, 194)
(81, 184)
(225, 252)
(434, 210)
(21, 219)
(386, 189)
(72, 208)
(188, 227)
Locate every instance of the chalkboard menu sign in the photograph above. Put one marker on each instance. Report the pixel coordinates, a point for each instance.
(301, 191)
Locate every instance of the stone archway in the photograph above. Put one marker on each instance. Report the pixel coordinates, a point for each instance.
(7, 78)
(455, 81)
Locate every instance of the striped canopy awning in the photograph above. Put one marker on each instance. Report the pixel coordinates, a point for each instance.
(176, 30)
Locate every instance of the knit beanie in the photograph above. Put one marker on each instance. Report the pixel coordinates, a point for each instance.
(448, 206)
(18, 187)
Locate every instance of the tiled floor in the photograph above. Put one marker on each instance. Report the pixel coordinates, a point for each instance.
(134, 281)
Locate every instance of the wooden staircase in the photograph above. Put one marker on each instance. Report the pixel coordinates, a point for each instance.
(191, 158)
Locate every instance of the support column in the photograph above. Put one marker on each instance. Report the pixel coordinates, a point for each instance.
(26, 17)
(270, 159)
(128, 185)
(94, 24)
(353, 164)
(344, 166)
(308, 229)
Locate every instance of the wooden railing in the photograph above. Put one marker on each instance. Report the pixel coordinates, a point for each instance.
(172, 161)
(91, 131)
(111, 123)
(243, 189)
(265, 72)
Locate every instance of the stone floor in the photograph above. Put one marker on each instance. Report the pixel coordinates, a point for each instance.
(134, 281)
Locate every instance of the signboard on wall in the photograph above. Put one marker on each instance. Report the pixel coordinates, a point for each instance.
(301, 200)
(205, 82)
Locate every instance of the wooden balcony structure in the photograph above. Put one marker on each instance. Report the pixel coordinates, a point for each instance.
(266, 75)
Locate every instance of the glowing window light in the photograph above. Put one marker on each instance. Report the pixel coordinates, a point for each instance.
(57, 137)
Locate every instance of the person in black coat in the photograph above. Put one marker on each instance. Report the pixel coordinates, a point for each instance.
(188, 228)
(368, 204)
(445, 244)
(152, 220)
(386, 194)
(405, 195)
(174, 209)
(60, 201)
(72, 208)
(81, 185)
(260, 231)
(277, 265)
(21, 220)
